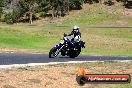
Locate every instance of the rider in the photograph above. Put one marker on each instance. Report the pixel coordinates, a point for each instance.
(76, 33)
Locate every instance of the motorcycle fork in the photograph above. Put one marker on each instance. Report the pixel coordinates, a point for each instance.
(58, 50)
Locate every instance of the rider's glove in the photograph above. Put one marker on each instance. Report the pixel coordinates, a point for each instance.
(65, 34)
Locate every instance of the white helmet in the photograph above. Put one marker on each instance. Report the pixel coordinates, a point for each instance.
(76, 29)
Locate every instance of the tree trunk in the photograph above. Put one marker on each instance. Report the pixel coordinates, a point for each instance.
(53, 13)
(83, 5)
(30, 13)
(68, 7)
(30, 17)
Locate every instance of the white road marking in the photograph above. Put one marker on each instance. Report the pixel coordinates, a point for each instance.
(53, 63)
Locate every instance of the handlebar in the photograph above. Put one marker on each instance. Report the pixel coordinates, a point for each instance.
(65, 34)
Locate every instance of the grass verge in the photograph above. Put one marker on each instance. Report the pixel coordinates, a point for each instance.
(112, 41)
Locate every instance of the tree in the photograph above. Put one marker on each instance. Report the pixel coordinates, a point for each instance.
(16, 10)
(1, 8)
(43, 6)
(59, 7)
(76, 4)
(29, 6)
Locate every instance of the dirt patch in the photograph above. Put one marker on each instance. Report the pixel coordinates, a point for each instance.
(128, 12)
(18, 50)
(60, 76)
(8, 86)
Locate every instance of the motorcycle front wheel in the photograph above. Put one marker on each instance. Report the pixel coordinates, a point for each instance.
(52, 52)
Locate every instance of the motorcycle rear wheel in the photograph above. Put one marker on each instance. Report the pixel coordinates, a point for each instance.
(73, 55)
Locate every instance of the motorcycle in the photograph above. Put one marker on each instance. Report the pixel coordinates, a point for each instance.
(67, 47)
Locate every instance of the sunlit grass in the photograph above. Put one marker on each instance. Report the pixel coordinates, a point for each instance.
(98, 41)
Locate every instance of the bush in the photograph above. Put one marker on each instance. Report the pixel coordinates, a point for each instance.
(12, 17)
(1, 10)
(9, 18)
(20, 8)
(0, 13)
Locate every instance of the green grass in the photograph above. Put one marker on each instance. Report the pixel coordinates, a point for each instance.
(13, 38)
(99, 41)
(89, 18)
(99, 14)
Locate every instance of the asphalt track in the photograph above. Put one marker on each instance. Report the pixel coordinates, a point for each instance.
(24, 58)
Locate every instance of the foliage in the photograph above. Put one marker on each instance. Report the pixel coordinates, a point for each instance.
(1, 8)
(12, 17)
(21, 8)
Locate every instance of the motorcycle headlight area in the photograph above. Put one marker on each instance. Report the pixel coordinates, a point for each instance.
(62, 42)
(65, 38)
